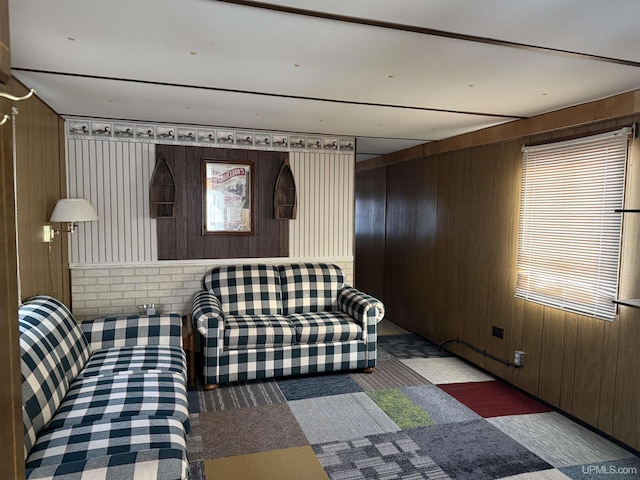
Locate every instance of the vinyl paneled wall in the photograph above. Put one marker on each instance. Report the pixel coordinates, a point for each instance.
(324, 227)
(450, 250)
(114, 176)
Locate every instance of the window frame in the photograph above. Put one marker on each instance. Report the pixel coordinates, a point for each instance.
(558, 229)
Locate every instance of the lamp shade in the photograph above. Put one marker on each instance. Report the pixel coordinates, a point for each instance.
(73, 210)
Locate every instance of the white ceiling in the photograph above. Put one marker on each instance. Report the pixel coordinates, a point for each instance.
(371, 69)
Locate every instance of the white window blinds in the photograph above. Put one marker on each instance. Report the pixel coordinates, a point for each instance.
(569, 239)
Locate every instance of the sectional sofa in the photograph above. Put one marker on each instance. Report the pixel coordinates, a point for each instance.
(261, 321)
(102, 399)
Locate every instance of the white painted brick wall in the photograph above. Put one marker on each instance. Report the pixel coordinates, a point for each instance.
(101, 290)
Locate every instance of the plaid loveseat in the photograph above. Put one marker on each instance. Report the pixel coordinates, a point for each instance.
(261, 321)
(102, 399)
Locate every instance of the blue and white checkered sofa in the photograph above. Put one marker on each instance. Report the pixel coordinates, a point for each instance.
(106, 398)
(261, 321)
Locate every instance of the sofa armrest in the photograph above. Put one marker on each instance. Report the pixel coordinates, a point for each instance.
(360, 306)
(208, 318)
(133, 330)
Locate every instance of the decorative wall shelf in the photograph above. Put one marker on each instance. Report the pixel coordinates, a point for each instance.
(285, 200)
(163, 190)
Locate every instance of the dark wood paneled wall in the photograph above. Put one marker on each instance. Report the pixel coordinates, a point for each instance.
(450, 245)
(11, 435)
(5, 53)
(40, 180)
(370, 222)
(181, 238)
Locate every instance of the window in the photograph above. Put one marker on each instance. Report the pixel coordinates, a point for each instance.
(569, 239)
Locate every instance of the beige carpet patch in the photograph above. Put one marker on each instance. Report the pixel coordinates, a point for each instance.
(288, 464)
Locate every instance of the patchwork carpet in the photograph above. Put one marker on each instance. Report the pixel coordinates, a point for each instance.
(420, 415)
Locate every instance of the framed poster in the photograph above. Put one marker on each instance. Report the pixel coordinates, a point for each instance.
(227, 191)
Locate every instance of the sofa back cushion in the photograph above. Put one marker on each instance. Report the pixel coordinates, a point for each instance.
(246, 289)
(53, 351)
(310, 287)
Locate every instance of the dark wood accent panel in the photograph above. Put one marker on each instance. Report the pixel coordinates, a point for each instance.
(181, 238)
(5, 53)
(450, 249)
(369, 231)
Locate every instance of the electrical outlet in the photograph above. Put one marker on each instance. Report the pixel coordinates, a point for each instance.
(497, 332)
(518, 358)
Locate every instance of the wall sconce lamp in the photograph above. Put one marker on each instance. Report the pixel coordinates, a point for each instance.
(70, 211)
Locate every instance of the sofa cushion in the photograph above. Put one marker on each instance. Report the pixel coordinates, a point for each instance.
(53, 351)
(94, 399)
(156, 464)
(325, 327)
(257, 331)
(246, 289)
(79, 444)
(310, 287)
(128, 360)
(130, 330)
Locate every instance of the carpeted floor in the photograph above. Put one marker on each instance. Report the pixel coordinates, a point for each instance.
(420, 415)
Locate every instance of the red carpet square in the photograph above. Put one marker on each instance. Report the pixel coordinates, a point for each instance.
(493, 399)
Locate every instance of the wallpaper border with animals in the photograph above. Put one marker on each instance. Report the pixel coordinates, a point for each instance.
(205, 136)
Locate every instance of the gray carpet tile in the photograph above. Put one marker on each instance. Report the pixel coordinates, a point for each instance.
(196, 470)
(441, 407)
(194, 402)
(558, 440)
(408, 346)
(249, 430)
(475, 450)
(553, 474)
(240, 395)
(627, 469)
(323, 385)
(340, 417)
(386, 456)
(388, 374)
(194, 438)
